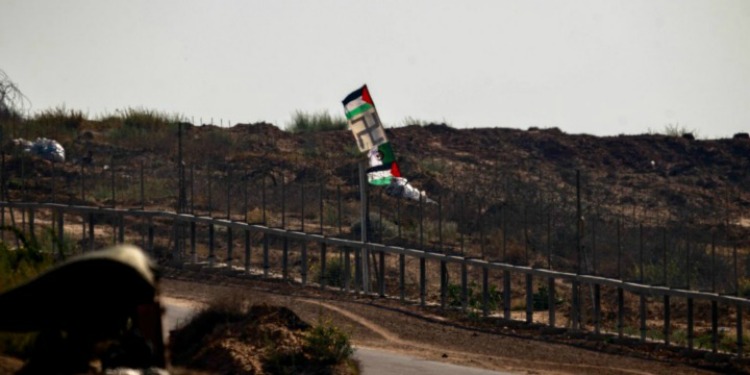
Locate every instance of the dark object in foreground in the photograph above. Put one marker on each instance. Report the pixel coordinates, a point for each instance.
(100, 310)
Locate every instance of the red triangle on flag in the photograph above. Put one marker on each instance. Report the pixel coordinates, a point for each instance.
(395, 172)
(366, 95)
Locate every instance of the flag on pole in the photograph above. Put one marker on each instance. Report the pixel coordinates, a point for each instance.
(370, 136)
(383, 165)
(363, 120)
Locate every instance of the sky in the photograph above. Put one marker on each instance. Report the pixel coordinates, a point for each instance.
(599, 67)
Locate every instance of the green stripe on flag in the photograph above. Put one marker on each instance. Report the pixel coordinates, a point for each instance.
(387, 152)
(358, 111)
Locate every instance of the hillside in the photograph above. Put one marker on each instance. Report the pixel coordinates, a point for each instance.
(505, 194)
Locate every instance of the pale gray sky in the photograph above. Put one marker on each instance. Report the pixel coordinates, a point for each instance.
(586, 66)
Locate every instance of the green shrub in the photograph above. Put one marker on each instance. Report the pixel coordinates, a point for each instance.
(335, 273)
(541, 299)
(327, 344)
(316, 122)
(474, 296)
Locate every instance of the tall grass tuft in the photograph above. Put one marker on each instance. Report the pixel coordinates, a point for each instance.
(58, 123)
(303, 122)
(144, 128)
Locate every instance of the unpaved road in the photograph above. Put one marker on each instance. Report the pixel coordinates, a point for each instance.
(372, 361)
(405, 329)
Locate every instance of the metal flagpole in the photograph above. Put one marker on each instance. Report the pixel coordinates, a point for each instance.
(363, 229)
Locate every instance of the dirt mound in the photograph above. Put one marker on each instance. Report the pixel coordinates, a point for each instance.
(260, 339)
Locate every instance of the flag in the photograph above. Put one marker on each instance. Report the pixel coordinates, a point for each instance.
(363, 120)
(383, 166)
(370, 136)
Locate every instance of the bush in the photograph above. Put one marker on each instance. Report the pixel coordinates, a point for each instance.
(335, 273)
(322, 121)
(474, 296)
(328, 344)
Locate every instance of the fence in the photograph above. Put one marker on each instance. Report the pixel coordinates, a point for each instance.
(561, 227)
(278, 252)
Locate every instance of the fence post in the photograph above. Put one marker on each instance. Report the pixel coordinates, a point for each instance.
(690, 323)
(211, 235)
(150, 235)
(347, 270)
(422, 279)
(529, 299)
(575, 312)
(597, 309)
(266, 264)
(464, 286)
(740, 332)
(303, 261)
(323, 257)
(247, 250)
(381, 277)
(61, 231)
(121, 233)
(714, 326)
(32, 226)
(506, 295)
(285, 259)
(642, 313)
(230, 247)
(667, 319)
(620, 312)
(551, 301)
(193, 253)
(485, 292)
(402, 276)
(443, 283)
(91, 231)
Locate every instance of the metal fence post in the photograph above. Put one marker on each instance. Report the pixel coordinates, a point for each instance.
(620, 312)
(150, 235)
(740, 332)
(422, 280)
(303, 261)
(211, 243)
(402, 276)
(121, 232)
(642, 314)
(193, 253)
(464, 286)
(230, 247)
(323, 262)
(667, 319)
(597, 309)
(690, 323)
(443, 283)
(61, 231)
(247, 251)
(285, 259)
(91, 231)
(575, 312)
(266, 264)
(485, 292)
(529, 299)
(551, 301)
(381, 276)
(714, 327)
(506, 295)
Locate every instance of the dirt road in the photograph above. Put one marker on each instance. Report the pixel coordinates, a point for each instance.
(387, 324)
